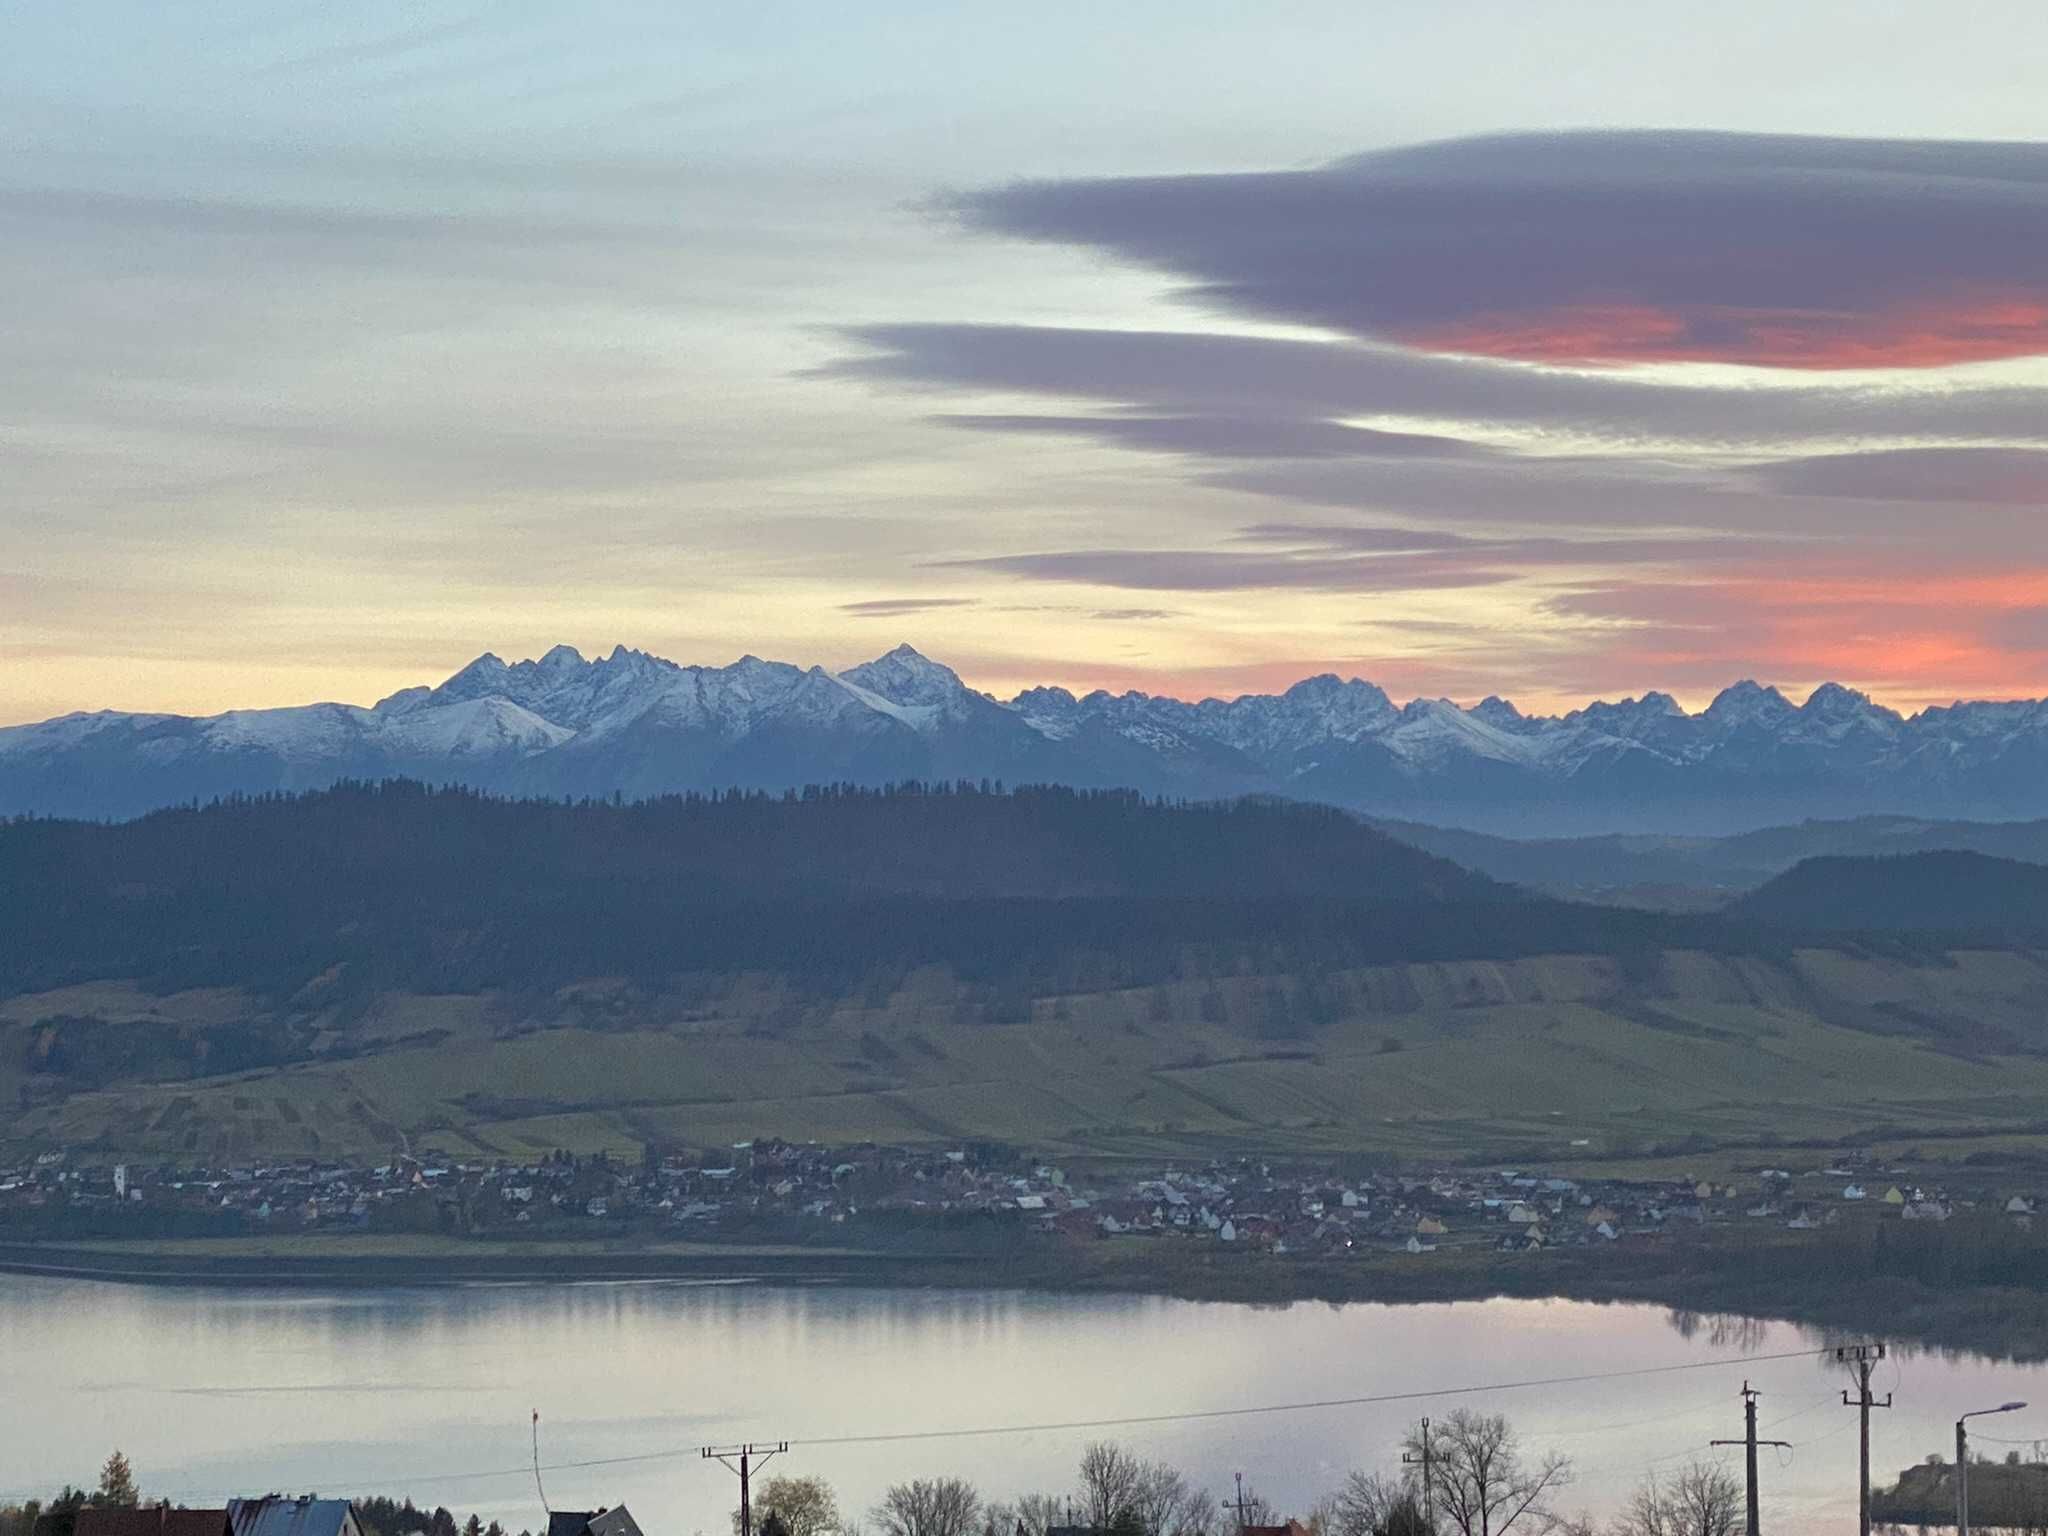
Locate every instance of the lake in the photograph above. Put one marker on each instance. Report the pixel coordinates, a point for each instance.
(428, 1391)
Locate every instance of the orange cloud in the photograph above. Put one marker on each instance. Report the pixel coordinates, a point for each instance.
(1967, 329)
(1909, 638)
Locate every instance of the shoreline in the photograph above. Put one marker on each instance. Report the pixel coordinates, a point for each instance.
(1997, 1323)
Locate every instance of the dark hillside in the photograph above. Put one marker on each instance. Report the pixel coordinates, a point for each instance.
(408, 887)
(1691, 872)
(1953, 892)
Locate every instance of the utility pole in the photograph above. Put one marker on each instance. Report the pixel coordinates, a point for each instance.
(1750, 1442)
(1239, 1503)
(1863, 1357)
(750, 1456)
(1410, 1459)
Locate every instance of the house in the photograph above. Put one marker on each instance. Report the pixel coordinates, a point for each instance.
(1521, 1215)
(603, 1522)
(2019, 1205)
(1895, 1196)
(278, 1516)
(1853, 1192)
(1429, 1226)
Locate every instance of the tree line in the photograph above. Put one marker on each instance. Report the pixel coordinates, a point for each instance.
(117, 1489)
(1471, 1477)
(1478, 1480)
(368, 888)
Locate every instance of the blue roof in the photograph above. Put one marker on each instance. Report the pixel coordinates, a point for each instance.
(276, 1516)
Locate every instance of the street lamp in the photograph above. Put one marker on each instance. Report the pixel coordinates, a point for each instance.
(1963, 1462)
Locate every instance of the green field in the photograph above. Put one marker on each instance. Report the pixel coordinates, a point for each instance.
(1571, 1059)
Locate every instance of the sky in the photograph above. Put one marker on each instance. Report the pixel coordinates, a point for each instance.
(1548, 350)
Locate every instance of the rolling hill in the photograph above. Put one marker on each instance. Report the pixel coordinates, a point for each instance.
(1951, 891)
(345, 972)
(1692, 873)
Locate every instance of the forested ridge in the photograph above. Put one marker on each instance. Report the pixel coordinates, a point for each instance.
(405, 886)
(1946, 890)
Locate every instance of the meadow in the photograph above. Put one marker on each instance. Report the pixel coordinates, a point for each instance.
(1673, 1059)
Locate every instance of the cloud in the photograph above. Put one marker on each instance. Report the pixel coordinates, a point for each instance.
(1209, 570)
(893, 607)
(1918, 630)
(1213, 375)
(1350, 558)
(1230, 437)
(1600, 247)
(1998, 476)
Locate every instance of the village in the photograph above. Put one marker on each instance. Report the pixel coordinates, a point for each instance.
(793, 1192)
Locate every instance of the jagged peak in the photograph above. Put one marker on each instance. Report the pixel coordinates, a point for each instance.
(1748, 698)
(1495, 710)
(1046, 693)
(905, 675)
(1328, 685)
(560, 657)
(1835, 696)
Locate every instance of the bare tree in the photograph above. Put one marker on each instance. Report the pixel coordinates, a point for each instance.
(1700, 1500)
(1479, 1481)
(805, 1504)
(943, 1506)
(1119, 1490)
(1360, 1507)
(1110, 1476)
(1168, 1505)
(1371, 1504)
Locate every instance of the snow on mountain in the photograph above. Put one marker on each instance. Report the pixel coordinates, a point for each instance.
(638, 724)
(476, 728)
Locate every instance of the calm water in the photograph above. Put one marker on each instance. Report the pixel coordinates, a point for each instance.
(214, 1393)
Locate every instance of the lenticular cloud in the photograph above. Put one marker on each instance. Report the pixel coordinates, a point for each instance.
(1602, 248)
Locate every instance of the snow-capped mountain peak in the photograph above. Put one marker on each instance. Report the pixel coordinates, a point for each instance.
(631, 722)
(905, 676)
(1748, 703)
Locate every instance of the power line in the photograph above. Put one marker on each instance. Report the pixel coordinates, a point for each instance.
(1128, 1421)
(1309, 1406)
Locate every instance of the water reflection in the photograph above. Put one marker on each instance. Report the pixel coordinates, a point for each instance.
(427, 1391)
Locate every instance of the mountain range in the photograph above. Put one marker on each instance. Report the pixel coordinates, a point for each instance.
(635, 725)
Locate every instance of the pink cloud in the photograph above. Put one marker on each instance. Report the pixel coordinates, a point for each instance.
(1973, 329)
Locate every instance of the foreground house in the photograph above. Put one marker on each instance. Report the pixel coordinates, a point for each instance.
(278, 1516)
(602, 1522)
